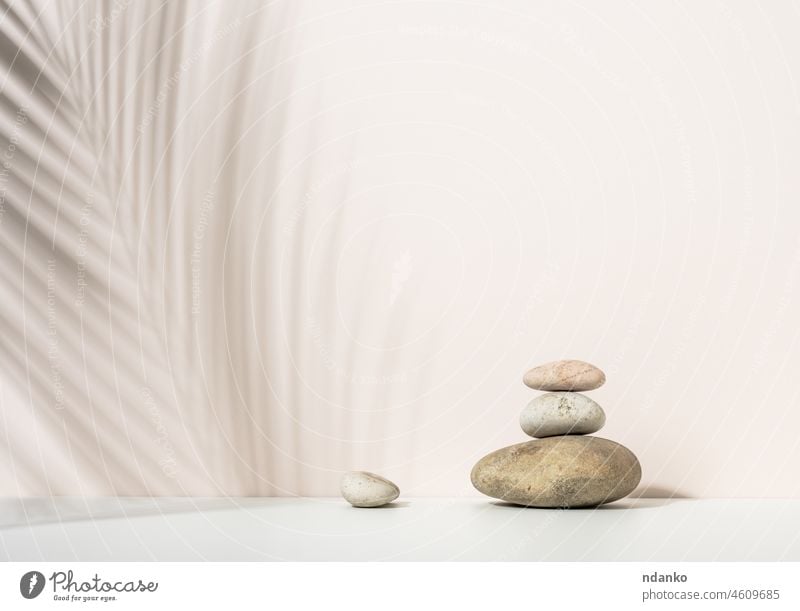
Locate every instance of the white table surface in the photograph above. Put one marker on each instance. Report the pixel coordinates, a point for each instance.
(244, 529)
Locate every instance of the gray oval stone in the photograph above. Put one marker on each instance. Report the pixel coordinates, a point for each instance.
(568, 471)
(561, 413)
(365, 489)
(565, 375)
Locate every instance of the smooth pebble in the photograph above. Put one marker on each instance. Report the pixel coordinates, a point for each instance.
(567, 471)
(365, 489)
(565, 375)
(561, 413)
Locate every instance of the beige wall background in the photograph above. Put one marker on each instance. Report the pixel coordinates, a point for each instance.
(246, 246)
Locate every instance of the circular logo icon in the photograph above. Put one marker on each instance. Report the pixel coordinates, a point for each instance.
(31, 584)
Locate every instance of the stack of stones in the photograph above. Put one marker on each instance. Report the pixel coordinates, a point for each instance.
(564, 466)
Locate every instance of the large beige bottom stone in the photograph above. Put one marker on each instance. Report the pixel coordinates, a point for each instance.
(568, 471)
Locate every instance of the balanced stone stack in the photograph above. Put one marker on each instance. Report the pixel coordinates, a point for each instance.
(564, 466)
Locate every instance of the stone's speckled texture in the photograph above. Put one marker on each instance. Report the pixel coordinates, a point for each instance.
(561, 413)
(567, 471)
(565, 375)
(364, 489)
